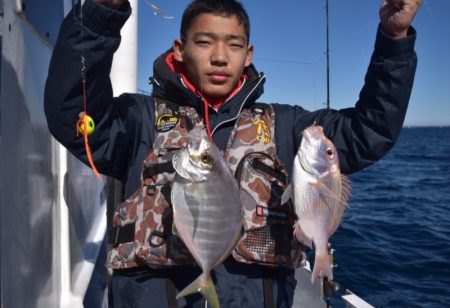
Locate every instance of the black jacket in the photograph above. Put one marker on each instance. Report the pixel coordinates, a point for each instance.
(125, 124)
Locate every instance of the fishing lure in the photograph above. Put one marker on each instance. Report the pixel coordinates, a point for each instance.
(85, 125)
(157, 10)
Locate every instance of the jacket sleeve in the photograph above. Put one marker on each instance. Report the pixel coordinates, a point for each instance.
(95, 37)
(365, 133)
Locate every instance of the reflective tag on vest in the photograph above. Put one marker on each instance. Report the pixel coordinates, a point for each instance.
(167, 121)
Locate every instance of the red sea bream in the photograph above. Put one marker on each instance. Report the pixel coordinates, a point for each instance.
(320, 194)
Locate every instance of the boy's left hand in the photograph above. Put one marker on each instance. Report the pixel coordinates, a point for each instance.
(396, 16)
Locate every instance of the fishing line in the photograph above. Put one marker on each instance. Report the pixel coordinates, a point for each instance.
(428, 7)
(333, 50)
(158, 12)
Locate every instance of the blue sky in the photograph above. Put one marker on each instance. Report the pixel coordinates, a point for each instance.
(289, 40)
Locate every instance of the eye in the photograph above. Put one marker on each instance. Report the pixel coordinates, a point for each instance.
(203, 43)
(330, 152)
(236, 45)
(204, 157)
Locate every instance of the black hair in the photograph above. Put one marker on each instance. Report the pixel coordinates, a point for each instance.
(225, 8)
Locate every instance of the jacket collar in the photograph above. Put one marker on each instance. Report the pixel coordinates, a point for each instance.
(169, 85)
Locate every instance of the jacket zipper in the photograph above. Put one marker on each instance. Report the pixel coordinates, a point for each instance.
(262, 77)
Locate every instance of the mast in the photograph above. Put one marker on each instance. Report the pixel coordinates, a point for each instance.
(328, 58)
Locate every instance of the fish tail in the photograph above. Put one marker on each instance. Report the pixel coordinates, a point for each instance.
(205, 286)
(321, 266)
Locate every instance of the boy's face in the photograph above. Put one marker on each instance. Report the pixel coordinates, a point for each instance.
(215, 53)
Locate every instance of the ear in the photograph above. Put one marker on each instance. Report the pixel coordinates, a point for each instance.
(249, 57)
(178, 49)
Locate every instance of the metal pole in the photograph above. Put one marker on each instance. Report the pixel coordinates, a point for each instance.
(328, 59)
(124, 68)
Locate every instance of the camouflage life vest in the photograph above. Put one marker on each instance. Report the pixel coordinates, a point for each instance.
(142, 225)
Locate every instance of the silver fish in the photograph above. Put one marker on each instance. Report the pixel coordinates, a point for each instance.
(320, 194)
(206, 207)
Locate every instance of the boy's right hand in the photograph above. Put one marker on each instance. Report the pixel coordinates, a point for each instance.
(396, 16)
(114, 4)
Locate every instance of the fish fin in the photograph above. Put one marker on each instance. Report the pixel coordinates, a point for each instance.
(205, 286)
(339, 199)
(321, 267)
(325, 191)
(346, 189)
(286, 194)
(178, 160)
(301, 237)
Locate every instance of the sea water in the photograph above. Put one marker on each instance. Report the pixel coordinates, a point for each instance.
(392, 247)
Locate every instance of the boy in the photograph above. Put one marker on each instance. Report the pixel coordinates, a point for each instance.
(208, 77)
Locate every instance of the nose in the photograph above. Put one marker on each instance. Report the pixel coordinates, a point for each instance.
(219, 56)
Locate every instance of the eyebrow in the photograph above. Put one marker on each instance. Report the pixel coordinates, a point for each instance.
(228, 37)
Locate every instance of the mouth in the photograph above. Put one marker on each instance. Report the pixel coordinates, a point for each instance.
(312, 133)
(218, 76)
(306, 136)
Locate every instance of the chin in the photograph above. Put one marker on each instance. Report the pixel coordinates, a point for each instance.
(217, 93)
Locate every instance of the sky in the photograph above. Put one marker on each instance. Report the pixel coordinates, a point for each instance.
(290, 44)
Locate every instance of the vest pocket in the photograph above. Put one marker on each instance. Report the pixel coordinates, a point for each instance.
(149, 211)
(262, 181)
(123, 252)
(158, 244)
(268, 223)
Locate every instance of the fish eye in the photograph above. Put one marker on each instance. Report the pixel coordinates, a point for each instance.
(204, 157)
(329, 152)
